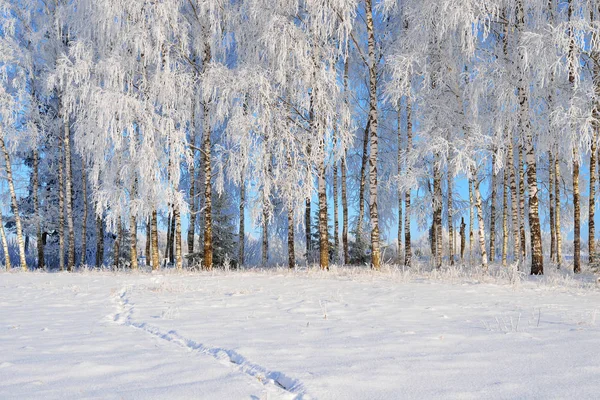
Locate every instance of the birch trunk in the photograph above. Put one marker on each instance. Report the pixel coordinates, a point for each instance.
(557, 212)
(344, 189)
(169, 238)
(323, 229)
(307, 230)
(242, 234)
(69, 194)
(7, 264)
(117, 245)
(265, 236)
(373, 211)
(191, 233)
(148, 240)
(336, 226)
(154, 240)
(471, 219)
(99, 241)
(85, 214)
(576, 216)
(178, 246)
(522, 204)
(15, 206)
(505, 217)
(36, 210)
(437, 211)
(484, 260)
(61, 208)
(172, 243)
(133, 242)
(551, 198)
(592, 205)
(400, 196)
(407, 239)
(363, 182)
(493, 211)
(290, 243)
(450, 221)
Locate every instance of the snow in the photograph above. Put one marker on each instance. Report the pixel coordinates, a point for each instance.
(343, 334)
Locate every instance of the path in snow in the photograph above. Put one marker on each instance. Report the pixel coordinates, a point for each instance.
(285, 335)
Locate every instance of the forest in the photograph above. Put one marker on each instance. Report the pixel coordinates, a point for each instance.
(224, 133)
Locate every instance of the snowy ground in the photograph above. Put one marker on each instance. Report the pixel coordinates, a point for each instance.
(346, 334)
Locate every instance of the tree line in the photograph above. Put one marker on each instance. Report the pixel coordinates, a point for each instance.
(118, 118)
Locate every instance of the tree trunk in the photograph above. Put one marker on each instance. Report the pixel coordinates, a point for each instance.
(36, 210)
(493, 211)
(363, 182)
(514, 200)
(437, 212)
(85, 214)
(69, 194)
(450, 221)
(242, 234)
(148, 240)
(551, 198)
(154, 242)
(463, 237)
(172, 242)
(323, 218)
(522, 203)
(407, 239)
(4, 245)
(169, 238)
(576, 216)
(178, 248)
(484, 260)
(505, 216)
(265, 234)
(400, 196)
(373, 211)
(61, 207)
(99, 241)
(592, 205)
(133, 242)
(291, 250)
(191, 233)
(208, 232)
(117, 245)
(344, 189)
(307, 228)
(336, 226)
(471, 219)
(557, 211)
(15, 206)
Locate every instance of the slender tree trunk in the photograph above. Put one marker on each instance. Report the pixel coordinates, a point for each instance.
(148, 240)
(36, 210)
(191, 233)
(308, 232)
(514, 199)
(323, 218)
(505, 217)
(373, 118)
(407, 239)
(242, 234)
(557, 211)
(133, 242)
(7, 264)
(169, 237)
(154, 242)
(178, 245)
(15, 206)
(99, 241)
(345, 213)
(172, 242)
(85, 214)
(484, 260)
(551, 197)
(471, 218)
(437, 211)
(463, 237)
(592, 205)
(400, 196)
(69, 194)
(61, 207)
(363, 182)
(291, 250)
(117, 245)
(208, 232)
(576, 215)
(265, 235)
(522, 213)
(336, 226)
(450, 221)
(493, 211)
